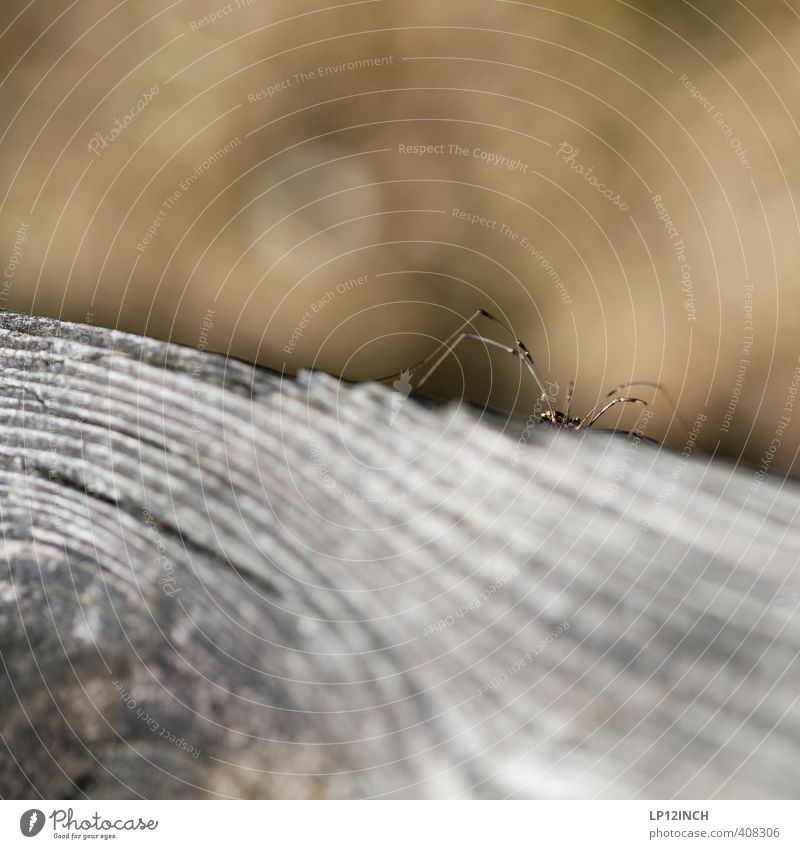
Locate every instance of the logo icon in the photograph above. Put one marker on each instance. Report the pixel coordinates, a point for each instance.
(402, 387)
(31, 822)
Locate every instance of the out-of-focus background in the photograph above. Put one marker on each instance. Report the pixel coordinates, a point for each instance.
(340, 185)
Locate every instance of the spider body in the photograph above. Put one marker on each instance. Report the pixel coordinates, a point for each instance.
(559, 419)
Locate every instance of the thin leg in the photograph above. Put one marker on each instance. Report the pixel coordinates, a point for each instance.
(519, 350)
(659, 388)
(606, 408)
(451, 346)
(446, 342)
(570, 390)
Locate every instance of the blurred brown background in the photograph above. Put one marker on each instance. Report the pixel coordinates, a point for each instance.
(215, 173)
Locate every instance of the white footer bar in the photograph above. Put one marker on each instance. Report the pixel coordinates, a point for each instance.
(403, 825)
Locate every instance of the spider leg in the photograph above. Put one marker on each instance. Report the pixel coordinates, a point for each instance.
(570, 390)
(659, 388)
(519, 350)
(436, 350)
(606, 408)
(450, 347)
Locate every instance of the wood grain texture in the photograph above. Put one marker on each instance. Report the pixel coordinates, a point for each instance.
(219, 582)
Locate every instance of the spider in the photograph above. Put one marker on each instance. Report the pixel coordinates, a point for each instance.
(551, 415)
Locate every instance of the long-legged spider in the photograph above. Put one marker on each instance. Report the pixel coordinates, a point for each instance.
(551, 415)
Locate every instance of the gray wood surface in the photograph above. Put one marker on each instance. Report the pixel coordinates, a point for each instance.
(219, 582)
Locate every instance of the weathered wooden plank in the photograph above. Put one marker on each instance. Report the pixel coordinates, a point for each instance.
(219, 582)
